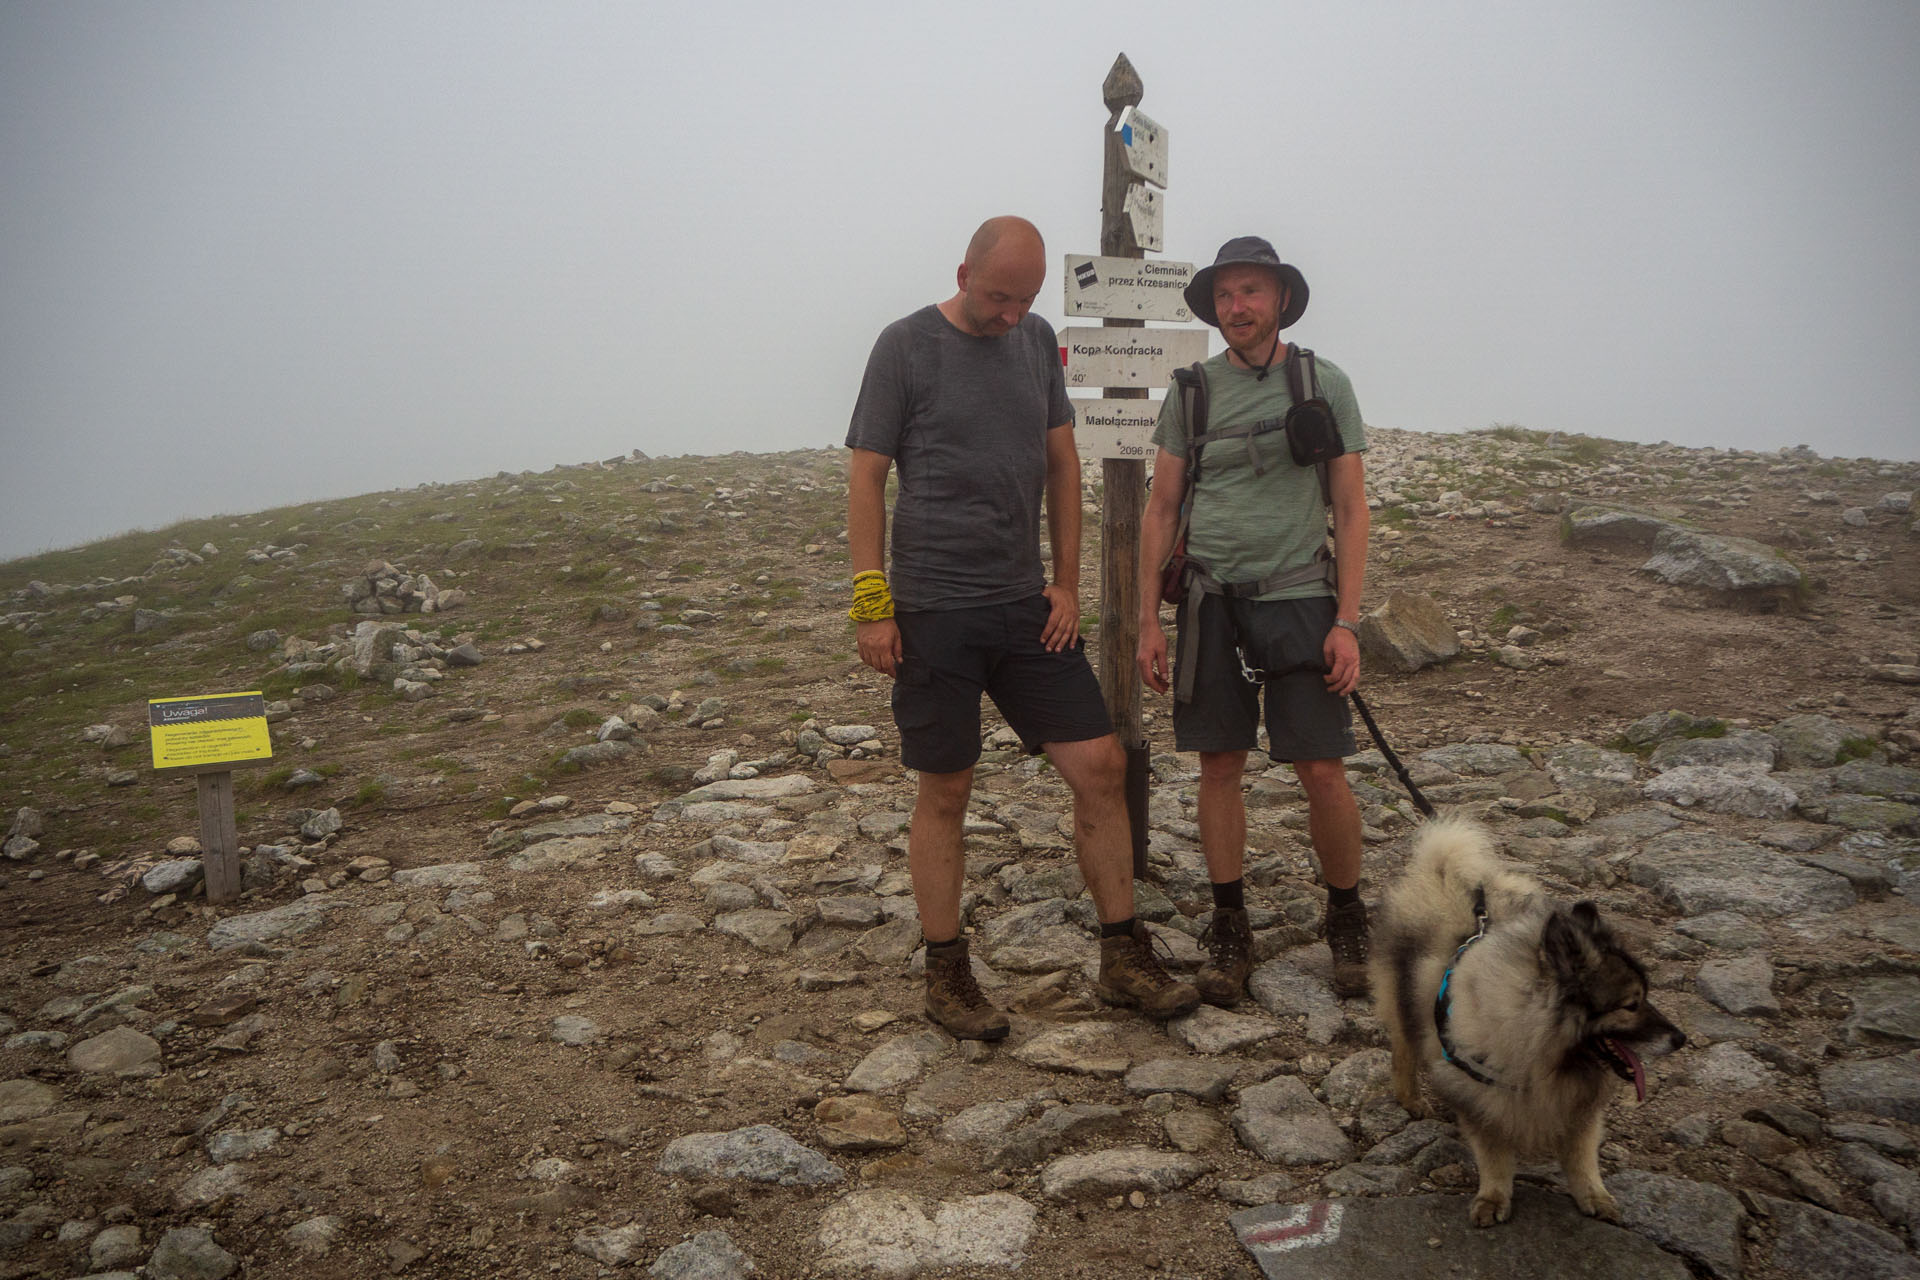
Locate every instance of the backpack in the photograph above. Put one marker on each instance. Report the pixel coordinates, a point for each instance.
(1312, 439)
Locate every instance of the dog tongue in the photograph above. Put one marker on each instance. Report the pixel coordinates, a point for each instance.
(1639, 1073)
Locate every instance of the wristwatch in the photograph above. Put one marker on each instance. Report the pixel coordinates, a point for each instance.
(1350, 624)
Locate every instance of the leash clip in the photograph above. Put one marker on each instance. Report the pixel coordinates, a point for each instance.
(1253, 675)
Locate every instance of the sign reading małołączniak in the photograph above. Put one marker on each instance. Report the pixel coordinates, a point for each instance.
(1115, 428)
(211, 731)
(1129, 357)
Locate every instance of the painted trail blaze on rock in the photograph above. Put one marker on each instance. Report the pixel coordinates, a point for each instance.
(1299, 1226)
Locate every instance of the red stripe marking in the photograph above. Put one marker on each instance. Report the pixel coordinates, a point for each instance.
(1316, 1219)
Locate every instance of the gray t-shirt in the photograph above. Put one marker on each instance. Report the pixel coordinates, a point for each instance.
(965, 421)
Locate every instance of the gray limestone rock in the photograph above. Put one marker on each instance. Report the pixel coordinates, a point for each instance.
(1696, 1220)
(1885, 1010)
(1736, 566)
(1408, 632)
(1574, 765)
(314, 1238)
(1118, 1171)
(1086, 1048)
(1811, 741)
(1609, 526)
(1050, 1131)
(612, 1246)
(1662, 726)
(1739, 749)
(1813, 1242)
(1265, 1189)
(1888, 1087)
(768, 931)
(757, 1153)
(1738, 791)
(189, 1253)
(1366, 1075)
(986, 1121)
(1285, 991)
(1701, 871)
(1743, 986)
(888, 1233)
(112, 1052)
(1476, 759)
(1281, 1122)
(1724, 931)
(1871, 813)
(898, 1061)
(1866, 778)
(1369, 1180)
(572, 1029)
(709, 1255)
(1429, 1238)
(117, 1246)
(1209, 1030)
(230, 1145)
(1207, 1081)
(176, 875)
(25, 1099)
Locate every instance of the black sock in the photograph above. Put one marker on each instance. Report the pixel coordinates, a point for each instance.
(1232, 895)
(948, 946)
(1338, 898)
(1118, 929)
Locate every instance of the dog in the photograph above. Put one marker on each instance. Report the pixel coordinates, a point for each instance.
(1526, 1015)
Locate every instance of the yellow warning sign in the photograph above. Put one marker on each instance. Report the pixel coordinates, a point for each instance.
(209, 731)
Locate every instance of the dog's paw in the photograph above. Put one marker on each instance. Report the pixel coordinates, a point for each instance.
(1488, 1210)
(1599, 1205)
(1415, 1105)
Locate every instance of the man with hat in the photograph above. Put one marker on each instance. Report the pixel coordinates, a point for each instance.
(1268, 607)
(965, 401)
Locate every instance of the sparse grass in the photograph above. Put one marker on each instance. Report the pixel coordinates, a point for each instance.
(1515, 432)
(1856, 748)
(768, 666)
(1502, 618)
(692, 568)
(581, 718)
(370, 793)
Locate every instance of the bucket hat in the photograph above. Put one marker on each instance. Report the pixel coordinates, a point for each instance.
(1251, 251)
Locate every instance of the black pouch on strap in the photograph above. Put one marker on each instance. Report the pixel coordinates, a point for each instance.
(1312, 434)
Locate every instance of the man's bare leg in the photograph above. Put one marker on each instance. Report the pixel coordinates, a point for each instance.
(935, 858)
(1096, 770)
(1223, 814)
(1333, 820)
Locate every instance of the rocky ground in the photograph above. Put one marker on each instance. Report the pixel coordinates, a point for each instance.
(576, 934)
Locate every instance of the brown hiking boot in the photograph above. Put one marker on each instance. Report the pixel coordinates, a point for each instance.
(1130, 974)
(953, 996)
(1222, 979)
(1346, 929)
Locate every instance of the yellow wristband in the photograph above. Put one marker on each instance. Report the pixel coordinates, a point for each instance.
(872, 602)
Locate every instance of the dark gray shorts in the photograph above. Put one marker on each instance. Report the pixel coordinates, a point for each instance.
(952, 656)
(1286, 639)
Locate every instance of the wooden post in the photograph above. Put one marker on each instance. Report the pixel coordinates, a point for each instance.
(219, 837)
(1124, 485)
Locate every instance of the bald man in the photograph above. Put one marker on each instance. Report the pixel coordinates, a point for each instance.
(966, 399)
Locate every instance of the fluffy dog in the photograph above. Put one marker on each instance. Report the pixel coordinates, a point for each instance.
(1527, 1015)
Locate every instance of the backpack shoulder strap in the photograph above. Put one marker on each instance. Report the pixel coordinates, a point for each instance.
(1303, 383)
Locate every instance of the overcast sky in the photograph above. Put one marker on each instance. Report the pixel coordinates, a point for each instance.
(252, 254)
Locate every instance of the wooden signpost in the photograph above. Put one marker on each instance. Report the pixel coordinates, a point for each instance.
(210, 736)
(1130, 224)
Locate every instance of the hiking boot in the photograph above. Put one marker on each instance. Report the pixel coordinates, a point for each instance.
(1346, 929)
(1222, 980)
(953, 996)
(1130, 974)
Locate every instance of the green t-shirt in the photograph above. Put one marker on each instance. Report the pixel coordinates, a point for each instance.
(1247, 526)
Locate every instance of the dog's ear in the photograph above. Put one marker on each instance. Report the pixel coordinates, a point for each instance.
(1587, 916)
(1566, 947)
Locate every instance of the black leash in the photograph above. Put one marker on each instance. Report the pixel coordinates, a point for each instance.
(1420, 802)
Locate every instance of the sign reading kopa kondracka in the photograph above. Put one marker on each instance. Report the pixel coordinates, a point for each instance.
(210, 731)
(1129, 357)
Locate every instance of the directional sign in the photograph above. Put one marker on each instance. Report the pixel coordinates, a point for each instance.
(1115, 428)
(1146, 146)
(1129, 357)
(1143, 215)
(1127, 288)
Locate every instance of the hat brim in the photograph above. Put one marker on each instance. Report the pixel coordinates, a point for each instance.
(1199, 291)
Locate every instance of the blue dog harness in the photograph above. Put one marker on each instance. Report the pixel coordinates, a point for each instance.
(1443, 999)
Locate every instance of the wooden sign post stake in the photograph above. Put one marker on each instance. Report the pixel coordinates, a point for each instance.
(1124, 485)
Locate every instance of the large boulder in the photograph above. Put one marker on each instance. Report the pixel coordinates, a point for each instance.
(1408, 632)
(1730, 566)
